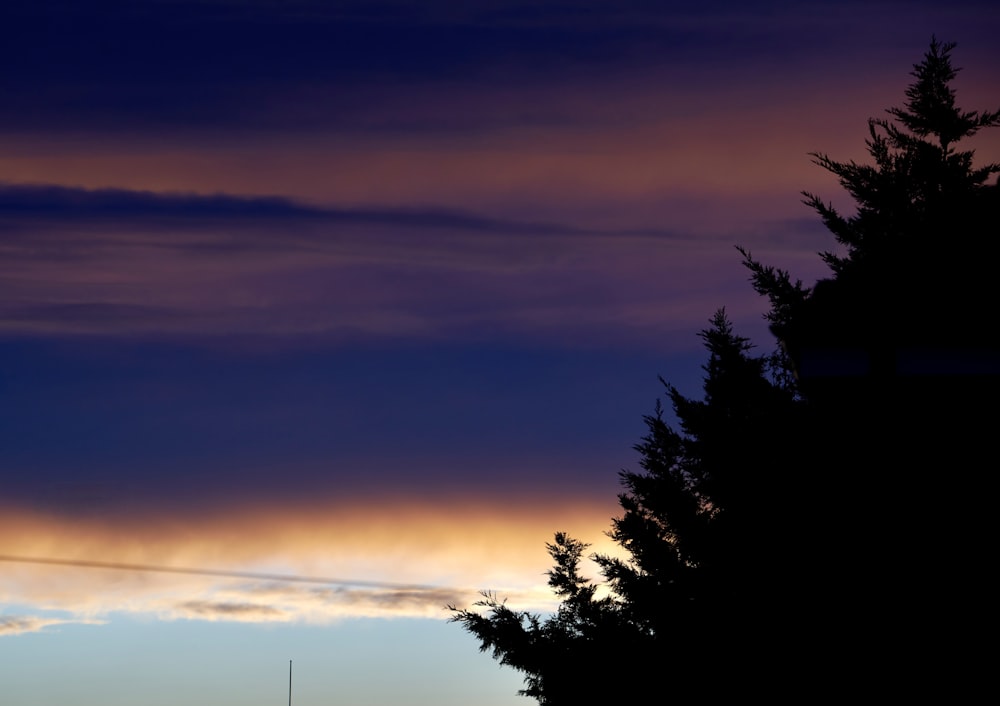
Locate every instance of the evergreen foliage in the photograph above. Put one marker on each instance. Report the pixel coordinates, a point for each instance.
(799, 527)
(900, 367)
(920, 240)
(690, 521)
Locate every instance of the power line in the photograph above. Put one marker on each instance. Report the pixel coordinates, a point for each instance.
(224, 573)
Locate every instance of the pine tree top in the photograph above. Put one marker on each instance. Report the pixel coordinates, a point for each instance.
(930, 105)
(912, 266)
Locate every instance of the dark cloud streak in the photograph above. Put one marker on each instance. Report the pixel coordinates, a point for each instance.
(117, 208)
(228, 609)
(221, 573)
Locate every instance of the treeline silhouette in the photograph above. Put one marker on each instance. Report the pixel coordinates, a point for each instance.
(820, 525)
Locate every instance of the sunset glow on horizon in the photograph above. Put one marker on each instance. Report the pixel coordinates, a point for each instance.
(427, 557)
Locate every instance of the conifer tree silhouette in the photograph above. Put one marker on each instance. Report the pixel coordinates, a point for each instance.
(915, 267)
(821, 523)
(689, 521)
(897, 356)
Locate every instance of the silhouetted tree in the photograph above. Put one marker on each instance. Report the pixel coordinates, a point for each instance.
(700, 550)
(897, 356)
(916, 266)
(828, 535)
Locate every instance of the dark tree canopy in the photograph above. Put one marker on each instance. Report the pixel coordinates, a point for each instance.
(898, 360)
(819, 525)
(916, 259)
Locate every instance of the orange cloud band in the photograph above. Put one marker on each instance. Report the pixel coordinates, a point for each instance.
(391, 559)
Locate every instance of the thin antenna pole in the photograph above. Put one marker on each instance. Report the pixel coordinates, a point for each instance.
(289, 682)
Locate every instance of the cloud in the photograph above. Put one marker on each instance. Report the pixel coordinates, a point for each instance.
(394, 559)
(117, 262)
(275, 602)
(19, 624)
(215, 610)
(599, 207)
(22, 624)
(240, 57)
(256, 63)
(27, 205)
(54, 202)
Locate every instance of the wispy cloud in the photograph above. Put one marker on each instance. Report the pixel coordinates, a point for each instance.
(289, 603)
(118, 262)
(228, 610)
(21, 624)
(24, 206)
(395, 560)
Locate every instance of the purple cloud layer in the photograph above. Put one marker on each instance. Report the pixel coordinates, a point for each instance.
(136, 263)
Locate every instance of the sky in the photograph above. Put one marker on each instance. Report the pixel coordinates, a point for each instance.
(361, 302)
